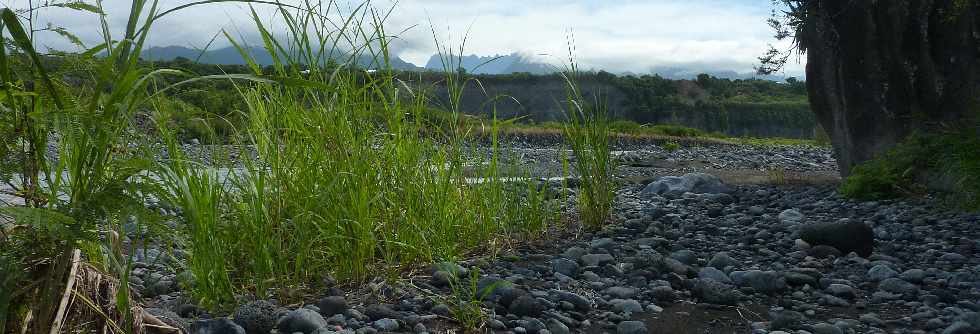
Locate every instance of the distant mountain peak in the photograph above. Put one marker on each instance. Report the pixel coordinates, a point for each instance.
(496, 64)
(231, 56)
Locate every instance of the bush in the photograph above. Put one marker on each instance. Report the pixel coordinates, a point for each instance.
(874, 180)
(676, 130)
(948, 162)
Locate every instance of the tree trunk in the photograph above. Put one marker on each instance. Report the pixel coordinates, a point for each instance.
(878, 71)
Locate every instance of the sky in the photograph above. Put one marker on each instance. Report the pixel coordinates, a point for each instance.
(612, 35)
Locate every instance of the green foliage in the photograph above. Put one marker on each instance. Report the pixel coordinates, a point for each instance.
(199, 192)
(353, 173)
(587, 133)
(672, 146)
(949, 160)
(74, 202)
(735, 107)
(676, 131)
(877, 179)
(466, 300)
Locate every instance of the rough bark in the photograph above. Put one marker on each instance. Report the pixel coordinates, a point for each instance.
(879, 70)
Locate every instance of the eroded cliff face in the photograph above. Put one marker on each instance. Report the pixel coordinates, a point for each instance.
(543, 98)
(878, 71)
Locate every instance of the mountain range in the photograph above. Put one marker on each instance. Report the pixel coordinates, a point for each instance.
(231, 56)
(499, 64)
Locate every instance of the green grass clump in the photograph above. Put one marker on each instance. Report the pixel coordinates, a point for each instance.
(466, 300)
(587, 133)
(947, 161)
(676, 131)
(355, 175)
(877, 179)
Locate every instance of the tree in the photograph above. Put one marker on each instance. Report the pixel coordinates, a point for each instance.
(878, 71)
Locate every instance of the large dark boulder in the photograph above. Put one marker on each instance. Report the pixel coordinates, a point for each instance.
(844, 236)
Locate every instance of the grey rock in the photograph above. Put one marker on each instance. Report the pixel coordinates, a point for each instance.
(935, 323)
(841, 290)
(574, 253)
(785, 319)
(881, 272)
(533, 325)
(602, 243)
(557, 327)
(621, 292)
(913, 275)
(715, 292)
(526, 306)
(699, 183)
(565, 266)
(961, 327)
(366, 330)
(441, 309)
(825, 328)
(790, 217)
(627, 306)
(301, 320)
(332, 305)
(386, 325)
(722, 260)
(506, 294)
(631, 327)
(762, 281)
(798, 278)
(451, 267)
(597, 259)
(714, 274)
(898, 286)
(684, 256)
(258, 317)
(492, 287)
(581, 304)
(442, 278)
(216, 326)
(664, 294)
(380, 311)
(497, 324)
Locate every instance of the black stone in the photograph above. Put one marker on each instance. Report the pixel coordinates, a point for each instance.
(846, 237)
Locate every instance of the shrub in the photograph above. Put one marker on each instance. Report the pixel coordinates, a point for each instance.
(676, 130)
(948, 161)
(587, 133)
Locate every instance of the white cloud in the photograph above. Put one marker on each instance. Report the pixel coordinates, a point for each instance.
(624, 35)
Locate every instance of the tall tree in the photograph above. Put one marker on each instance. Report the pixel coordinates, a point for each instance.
(879, 70)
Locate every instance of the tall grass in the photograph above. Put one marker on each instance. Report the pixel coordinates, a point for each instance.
(587, 132)
(200, 193)
(98, 178)
(72, 200)
(348, 179)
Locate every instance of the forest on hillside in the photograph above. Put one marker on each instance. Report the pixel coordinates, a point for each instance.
(739, 107)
